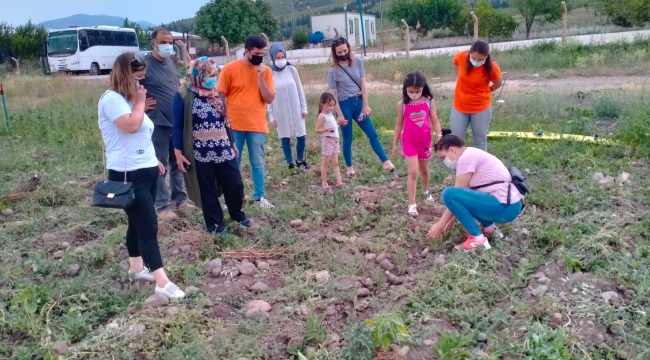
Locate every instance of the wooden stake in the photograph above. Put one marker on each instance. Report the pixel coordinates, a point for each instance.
(408, 38)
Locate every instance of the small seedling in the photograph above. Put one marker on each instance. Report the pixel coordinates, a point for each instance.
(315, 332)
(450, 347)
(386, 329)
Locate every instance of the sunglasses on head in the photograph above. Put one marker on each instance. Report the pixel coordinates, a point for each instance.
(138, 60)
(339, 41)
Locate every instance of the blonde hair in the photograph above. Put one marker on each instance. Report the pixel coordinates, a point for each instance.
(121, 80)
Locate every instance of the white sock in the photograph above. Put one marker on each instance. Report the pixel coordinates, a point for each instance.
(481, 238)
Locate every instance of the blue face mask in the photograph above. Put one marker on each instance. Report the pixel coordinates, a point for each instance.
(165, 50)
(210, 83)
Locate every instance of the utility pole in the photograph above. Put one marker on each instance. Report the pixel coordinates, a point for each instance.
(363, 31)
(381, 13)
(345, 10)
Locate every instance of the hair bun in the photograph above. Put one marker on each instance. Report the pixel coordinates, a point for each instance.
(446, 132)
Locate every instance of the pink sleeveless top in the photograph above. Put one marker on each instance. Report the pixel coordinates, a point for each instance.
(417, 127)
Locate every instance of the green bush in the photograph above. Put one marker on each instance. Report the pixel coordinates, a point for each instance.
(299, 39)
(606, 106)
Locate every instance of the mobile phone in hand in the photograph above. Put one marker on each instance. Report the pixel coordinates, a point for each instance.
(186, 167)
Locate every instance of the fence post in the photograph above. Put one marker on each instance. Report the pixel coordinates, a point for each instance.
(408, 38)
(475, 20)
(564, 21)
(336, 33)
(225, 43)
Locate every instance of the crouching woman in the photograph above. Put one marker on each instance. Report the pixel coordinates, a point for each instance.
(483, 192)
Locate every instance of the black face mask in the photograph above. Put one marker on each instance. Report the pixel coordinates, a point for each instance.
(256, 59)
(345, 57)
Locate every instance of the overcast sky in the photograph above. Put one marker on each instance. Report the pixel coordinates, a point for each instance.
(18, 12)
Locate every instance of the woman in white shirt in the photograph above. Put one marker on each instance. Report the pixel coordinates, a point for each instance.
(288, 111)
(130, 156)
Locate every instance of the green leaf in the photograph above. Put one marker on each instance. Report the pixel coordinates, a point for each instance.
(30, 307)
(83, 297)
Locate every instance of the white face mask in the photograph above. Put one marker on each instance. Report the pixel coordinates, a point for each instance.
(476, 63)
(281, 63)
(450, 163)
(415, 96)
(165, 50)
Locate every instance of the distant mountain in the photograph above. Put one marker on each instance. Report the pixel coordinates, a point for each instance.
(90, 20)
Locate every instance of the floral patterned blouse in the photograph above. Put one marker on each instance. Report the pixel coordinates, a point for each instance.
(211, 143)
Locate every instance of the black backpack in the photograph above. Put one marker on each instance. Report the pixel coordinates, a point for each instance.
(517, 179)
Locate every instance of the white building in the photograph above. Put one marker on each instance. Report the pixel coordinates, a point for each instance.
(347, 24)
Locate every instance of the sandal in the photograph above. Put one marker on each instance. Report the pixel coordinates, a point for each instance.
(339, 186)
(413, 210)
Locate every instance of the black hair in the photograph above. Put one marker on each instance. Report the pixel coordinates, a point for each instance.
(483, 48)
(254, 41)
(325, 98)
(160, 30)
(448, 140)
(416, 79)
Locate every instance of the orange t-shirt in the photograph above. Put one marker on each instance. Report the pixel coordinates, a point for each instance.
(473, 93)
(244, 103)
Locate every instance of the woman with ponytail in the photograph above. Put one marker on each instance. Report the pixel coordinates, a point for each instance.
(478, 77)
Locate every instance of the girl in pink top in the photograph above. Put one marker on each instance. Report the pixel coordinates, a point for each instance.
(416, 115)
(483, 192)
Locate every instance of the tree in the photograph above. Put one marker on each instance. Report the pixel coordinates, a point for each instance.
(143, 36)
(235, 20)
(544, 10)
(267, 22)
(493, 23)
(430, 14)
(300, 38)
(6, 35)
(26, 43)
(625, 13)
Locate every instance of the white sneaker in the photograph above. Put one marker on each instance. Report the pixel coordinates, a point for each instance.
(171, 291)
(427, 196)
(265, 204)
(145, 274)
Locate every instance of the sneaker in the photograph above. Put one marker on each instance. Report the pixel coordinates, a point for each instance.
(427, 196)
(472, 243)
(302, 165)
(292, 169)
(221, 229)
(388, 166)
(186, 206)
(413, 210)
(167, 215)
(265, 204)
(145, 274)
(246, 223)
(171, 291)
(494, 232)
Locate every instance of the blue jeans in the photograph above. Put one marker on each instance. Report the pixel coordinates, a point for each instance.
(255, 142)
(300, 149)
(351, 108)
(467, 205)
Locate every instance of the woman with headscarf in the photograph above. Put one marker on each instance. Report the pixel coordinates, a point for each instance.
(204, 147)
(288, 111)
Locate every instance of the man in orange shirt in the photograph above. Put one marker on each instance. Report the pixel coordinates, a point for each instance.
(248, 87)
(478, 77)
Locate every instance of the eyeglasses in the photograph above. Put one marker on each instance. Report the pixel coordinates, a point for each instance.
(339, 41)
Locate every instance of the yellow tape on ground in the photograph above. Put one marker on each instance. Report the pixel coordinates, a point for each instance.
(548, 136)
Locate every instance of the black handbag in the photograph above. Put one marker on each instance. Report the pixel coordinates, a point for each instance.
(113, 194)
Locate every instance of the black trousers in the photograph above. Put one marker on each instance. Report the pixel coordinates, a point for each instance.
(142, 233)
(229, 178)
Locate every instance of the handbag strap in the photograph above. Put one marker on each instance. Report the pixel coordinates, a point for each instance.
(104, 151)
(350, 76)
